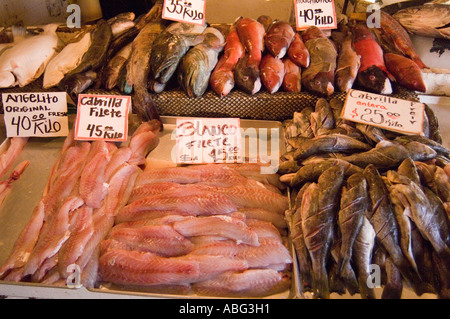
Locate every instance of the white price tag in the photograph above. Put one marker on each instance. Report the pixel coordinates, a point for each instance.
(208, 140)
(35, 114)
(102, 117)
(188, 11)
(319, 13)
(384, 111)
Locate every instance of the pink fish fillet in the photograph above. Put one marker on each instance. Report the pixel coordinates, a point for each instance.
(162, 240)
(81, 230)
(202, 203)
(53, 234)
(145, 190)
(92, 180)
(13, 151)
(141, 145)
(224, 226)
(127, 215)
(269, 252)
(118, 158)
(25, 242)
(249, 283)
(265, 215)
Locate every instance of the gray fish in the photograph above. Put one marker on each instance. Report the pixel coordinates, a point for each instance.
(441, 184)
(346, 275)
(311, 172)
(329, 143)
(433, 125)
(348, 130)
(336, 107)
(382, 218)
(362, 256)
(288, 167)
(115, 65)
(322, 119)
(438, 147)
(318, 225)
(372, 133)
(408, 168)
(394, 286)
(303, 122)
(170, 46)
(197, 64)
(352, 210)
(383, 156)
(78, 83)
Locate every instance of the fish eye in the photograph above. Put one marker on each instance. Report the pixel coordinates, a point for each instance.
(372, 77)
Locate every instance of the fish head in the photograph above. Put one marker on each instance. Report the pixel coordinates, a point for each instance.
(374, 80)
(320, 84)
(344, 80)
(247, 78)
(222, 82)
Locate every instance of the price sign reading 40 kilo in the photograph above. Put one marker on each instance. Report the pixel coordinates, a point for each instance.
(35, 114)
(102, 117)
(189, 11)
(319, 13)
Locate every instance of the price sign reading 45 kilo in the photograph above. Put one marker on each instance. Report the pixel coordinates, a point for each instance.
(319, 13)
(188, 11)
(102, 117)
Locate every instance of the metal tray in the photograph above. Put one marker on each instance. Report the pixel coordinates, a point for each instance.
(27, 191)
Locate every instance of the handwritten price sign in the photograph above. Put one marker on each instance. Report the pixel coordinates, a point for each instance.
(319, 13)
(35, 114)
(205, 140)
(188, 11)
(384, 111)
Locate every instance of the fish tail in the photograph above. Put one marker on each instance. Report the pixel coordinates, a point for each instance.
(320, 282)
(145, 107)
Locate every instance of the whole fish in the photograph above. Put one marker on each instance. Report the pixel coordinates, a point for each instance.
(318, 77)
(278, 38)
(382, 218)
(292, 81)
(372, 73)
(348, 64)
(170, 46)
(26, 60)
(115, 66)
(405, 71)
(222, 77)
(298, 53)
(398, 35)
(371, 133)
(251, 34)
(329, 143)
(318, 225)
(322, 119)
(302, 120)
(65, 61)
(138, 67)
(78, 83)
(351, 215)
(272, 73)
(196, 66)
(429, 20)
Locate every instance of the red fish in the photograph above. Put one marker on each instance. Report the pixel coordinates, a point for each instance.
(292, 81)
(278, 38)
(222, 78)
(405, 71)
(347, 65)
(372, 74)
(272, 73)
(399, 36)
(298, 52)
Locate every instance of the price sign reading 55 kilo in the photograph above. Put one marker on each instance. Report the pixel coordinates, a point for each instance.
(188, 11)
(319, 13)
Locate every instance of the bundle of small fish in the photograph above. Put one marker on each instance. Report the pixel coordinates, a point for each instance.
(213, 229)
(364, 196)
(88, 184)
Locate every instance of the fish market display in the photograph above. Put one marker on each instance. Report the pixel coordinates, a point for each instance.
(429, 20)
(382, 199)
(183, 226)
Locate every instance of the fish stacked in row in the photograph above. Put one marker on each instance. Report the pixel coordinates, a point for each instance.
(363, 196)
(89, 183)
(214, 229)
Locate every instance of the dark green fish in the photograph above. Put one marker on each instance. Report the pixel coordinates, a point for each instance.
(322, 119)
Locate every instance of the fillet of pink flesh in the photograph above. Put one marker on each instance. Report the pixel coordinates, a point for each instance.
(164, 220)
(265, 215)
(132, 216)
(92, 179)
(46, 266)
(54, 233)
(162, 240)
(251, 283)
(202, 203)
(224, 226)
(263, 229)
(81, 230)
(142, 144)
(90, 271)
(25, 242)
(118, 158)
(145, 190)
(10, 155)
(269, 252)
(120, 187)
(147, 269)
(153, 126)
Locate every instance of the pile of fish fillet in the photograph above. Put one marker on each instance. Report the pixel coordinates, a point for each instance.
(363, 196)
(215, 229)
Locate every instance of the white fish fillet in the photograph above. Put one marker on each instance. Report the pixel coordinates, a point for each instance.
(65, 61)
(27, 60)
